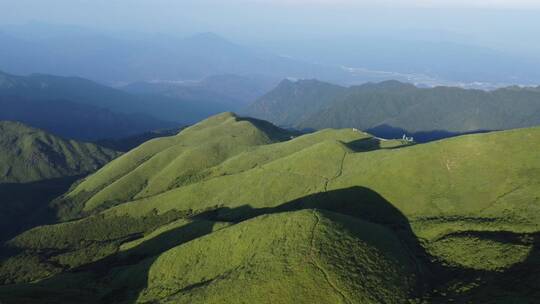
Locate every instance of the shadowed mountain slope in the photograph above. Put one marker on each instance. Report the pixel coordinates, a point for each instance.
(36, 167)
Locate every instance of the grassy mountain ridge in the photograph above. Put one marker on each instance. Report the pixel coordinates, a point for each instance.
(162, 164)
(400, 106)
(336, 215)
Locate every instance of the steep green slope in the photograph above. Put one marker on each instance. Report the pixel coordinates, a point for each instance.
(394, 222)
(391, 108)
(28, 154)
(452, 169)
(162, 164)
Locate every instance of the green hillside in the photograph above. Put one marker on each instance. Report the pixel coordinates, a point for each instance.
(235, 210)
(391, 108)
(163, 164)
(329, 258)
(35, 167)
(28, 154)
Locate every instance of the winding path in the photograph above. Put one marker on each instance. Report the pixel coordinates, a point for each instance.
(318, 266)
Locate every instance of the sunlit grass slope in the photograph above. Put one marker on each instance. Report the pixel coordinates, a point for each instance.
(162, 164)
(236, 210)
(328, 259)
(493, 176)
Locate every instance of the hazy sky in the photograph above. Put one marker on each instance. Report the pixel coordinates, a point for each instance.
(517, 4)
(512, 24)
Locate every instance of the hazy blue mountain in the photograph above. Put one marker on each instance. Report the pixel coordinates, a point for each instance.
(84, 103)
(80, 90)
(429, 54)
(75, 120)
(112, 59)
(393, 108)
(131, 57)
(232, 91)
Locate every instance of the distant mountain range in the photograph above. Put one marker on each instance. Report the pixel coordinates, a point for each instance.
(109, 59)
(134, 57)
(232, 91)
(391, 108)
(74, 107)
(428, 58)
(82, 109)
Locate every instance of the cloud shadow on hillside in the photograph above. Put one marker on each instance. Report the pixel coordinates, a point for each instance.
(357, 202)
